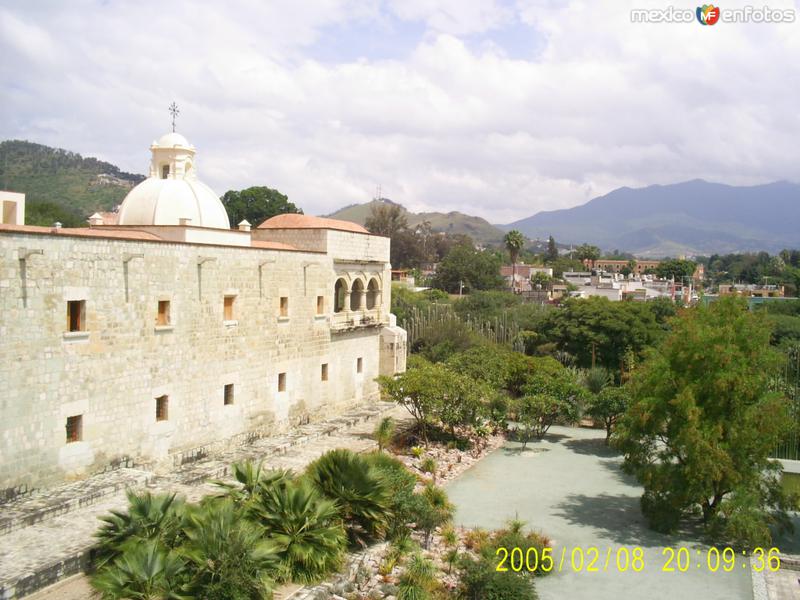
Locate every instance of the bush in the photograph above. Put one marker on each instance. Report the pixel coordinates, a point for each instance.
(361, 493)
(400, 482)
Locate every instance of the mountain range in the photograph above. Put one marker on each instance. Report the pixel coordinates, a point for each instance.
(693, 217)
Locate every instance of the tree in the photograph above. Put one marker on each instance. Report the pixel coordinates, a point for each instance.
(386, 219)
(676, 269)
(703, 421)
(256, 205)
(552, 250)
(534, 416)
(416, 390)
(608, 406)
(514, 241)
(586, 252)
(467, 266)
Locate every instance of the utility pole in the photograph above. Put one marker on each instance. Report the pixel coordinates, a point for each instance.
(460, 287)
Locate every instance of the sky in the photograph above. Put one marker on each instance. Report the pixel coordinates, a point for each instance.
(492, 108)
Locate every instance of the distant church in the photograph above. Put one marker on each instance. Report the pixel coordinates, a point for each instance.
(167, 334)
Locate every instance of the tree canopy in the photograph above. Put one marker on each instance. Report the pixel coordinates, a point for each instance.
(256, 205)
(702, 422)
(475, 269)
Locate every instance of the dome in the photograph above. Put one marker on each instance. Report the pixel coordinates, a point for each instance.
(167, 201)
(172, 140)
(172, 192)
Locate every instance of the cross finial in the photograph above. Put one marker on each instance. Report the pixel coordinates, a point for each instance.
(173, 109)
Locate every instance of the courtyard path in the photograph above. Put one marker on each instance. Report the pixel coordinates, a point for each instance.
(570, 487)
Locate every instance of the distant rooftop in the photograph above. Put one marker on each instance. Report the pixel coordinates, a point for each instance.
(293, 221)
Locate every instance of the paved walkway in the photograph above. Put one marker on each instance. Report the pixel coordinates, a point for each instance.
(570, 487)
(47, 538)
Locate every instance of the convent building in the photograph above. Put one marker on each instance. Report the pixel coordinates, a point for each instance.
(167, 335)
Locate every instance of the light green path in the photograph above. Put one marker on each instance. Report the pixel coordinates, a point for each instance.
(571, 488)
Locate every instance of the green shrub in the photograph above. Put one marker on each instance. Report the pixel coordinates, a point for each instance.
(400, 482)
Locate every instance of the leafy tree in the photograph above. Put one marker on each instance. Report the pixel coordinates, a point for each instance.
(386, 219)
(600, 332)
(416, 390)
(475, 269)
(552, 250)
(360, 492)
(534, 415)
(676, 268)
(547, 398)
(563, 264)
(703, 421)
(608, 406)
(256, 204)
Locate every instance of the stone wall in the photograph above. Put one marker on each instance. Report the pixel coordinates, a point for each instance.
(111, 373)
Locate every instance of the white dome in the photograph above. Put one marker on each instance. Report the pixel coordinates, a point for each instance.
(167, 201)
(173, 192)
(172, 140)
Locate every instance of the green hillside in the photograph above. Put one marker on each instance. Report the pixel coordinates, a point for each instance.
(60, 185)
(454, 222)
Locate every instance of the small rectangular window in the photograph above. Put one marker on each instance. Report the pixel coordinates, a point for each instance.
(76, 315)
(162, 408)
(228, 394)
(359, 365)
(162, 318)
(74, 429)
(284, 306)
(281, 382)
(320, 305)
(228, 308)
(324, 372)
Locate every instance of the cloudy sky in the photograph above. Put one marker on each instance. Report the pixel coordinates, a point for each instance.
(500, 109)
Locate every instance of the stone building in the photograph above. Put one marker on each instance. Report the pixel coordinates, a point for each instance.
(167, 335)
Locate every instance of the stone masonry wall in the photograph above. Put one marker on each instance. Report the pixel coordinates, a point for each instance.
(112, 373)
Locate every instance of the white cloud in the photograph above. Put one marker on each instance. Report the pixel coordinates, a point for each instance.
(449, 125)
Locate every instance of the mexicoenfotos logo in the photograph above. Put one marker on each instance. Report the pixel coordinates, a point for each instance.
(708, 14)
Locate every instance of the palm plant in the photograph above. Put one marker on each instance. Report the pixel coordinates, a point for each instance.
(144, 571)
(250, 479)
(596, 379)
(384, 432)
(149, 517)
(418, 579)
(514, 240)
(306, 527)
(228, 556)
(360, 491)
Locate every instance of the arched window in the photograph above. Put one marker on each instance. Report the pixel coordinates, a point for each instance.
(339, 295)
(355, 294)
(372, 293)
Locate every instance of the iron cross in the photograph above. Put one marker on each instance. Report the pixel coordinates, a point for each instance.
(173, 109)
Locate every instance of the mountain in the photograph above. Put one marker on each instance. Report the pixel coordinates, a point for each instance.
(694, 217)
(60, 185)
(454, 222)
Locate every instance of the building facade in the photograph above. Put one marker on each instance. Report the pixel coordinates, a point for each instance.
(157, 341)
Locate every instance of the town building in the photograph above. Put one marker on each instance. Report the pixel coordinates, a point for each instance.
(167, 335)
(518, 276)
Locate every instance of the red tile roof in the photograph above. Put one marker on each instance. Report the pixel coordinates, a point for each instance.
(271, 245)
(293, 221)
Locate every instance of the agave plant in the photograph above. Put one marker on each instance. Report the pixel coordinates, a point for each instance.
(144, 571)
(228, 556)
(306, 528)
(149, 517)
(360, 491)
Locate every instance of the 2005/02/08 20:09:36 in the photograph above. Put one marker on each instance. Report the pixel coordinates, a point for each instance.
(622, 559)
